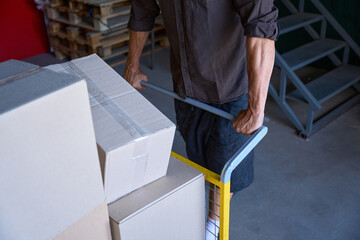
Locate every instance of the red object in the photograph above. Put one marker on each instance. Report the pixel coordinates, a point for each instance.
(22, 30)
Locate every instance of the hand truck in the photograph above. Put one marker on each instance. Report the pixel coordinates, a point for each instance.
(221, 181)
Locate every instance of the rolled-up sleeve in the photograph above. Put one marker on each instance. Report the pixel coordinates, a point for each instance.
(258, 17)
(142, 15)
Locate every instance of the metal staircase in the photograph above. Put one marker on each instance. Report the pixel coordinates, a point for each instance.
(316, 92)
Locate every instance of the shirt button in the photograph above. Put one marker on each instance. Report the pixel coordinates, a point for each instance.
(184, 69)
(179, 19)
(182, 45)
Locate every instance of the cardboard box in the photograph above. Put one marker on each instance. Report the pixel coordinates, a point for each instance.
(49, 169)
(134, 138)
(172, 207)
(92, 226)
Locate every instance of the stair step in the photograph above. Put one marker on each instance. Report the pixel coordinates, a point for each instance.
(308, 53)
(330, 84)
(297, 20)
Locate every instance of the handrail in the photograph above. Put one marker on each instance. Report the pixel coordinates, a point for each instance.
(299, 85)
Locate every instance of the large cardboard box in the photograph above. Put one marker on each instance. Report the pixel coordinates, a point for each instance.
(92, 226)
(134, 138)
(50, 176)
(172, 207)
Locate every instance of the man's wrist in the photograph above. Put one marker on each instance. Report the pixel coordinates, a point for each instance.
(256, 106)
(256, 109)
(132, 66)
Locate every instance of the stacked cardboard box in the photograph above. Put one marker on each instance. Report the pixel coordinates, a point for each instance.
(134, 141)
(50, 179)
(169, 208)
(134, 138)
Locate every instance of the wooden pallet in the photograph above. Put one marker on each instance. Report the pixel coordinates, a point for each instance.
(108, 51)
(85, 36)
(99, 7)
(121, 59)
(88, 17)
(56, 3)
(91, 38)
(123, 48)
(81, 27)
(65, 49)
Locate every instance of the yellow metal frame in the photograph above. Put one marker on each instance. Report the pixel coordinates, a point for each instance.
(224, 194)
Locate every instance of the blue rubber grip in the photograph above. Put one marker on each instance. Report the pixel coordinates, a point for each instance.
(239, 156)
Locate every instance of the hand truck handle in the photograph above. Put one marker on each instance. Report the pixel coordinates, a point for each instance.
(190, 101)
(237, 158)
(240, 154)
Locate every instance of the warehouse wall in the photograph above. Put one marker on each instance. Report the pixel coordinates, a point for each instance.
(22, 30)
(346, 13)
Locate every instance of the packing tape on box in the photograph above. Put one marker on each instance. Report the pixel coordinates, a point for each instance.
(19, 76)
(119, 115)
(139, 161)
(140, 136)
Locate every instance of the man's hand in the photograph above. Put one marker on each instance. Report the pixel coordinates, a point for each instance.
(132, 72)
(134, 77)
(247, 122)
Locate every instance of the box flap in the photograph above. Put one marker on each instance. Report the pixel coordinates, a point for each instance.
(13, 67)
(22, 82)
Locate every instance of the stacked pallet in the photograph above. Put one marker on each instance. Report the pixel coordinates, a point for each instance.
(79, 28)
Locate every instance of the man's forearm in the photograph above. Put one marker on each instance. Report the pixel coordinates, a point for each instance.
(132, 73)
(136, 44)
(260, 63)
(260, 53)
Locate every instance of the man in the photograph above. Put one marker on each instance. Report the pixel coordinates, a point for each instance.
(222, 53)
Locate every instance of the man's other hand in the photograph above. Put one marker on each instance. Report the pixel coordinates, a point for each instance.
(247, 122)
(134, 77)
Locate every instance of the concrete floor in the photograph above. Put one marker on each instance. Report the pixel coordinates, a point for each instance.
(303, 190)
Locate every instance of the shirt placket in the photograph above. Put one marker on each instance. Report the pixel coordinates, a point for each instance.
(183, 57)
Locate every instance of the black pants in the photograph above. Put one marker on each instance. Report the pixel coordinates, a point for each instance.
(211, 140)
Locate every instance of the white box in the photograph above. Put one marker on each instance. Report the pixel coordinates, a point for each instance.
(134, 138)
(172, 207)
(49, 169)
(92, 226)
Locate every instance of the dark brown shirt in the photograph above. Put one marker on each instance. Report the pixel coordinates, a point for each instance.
(208, 41)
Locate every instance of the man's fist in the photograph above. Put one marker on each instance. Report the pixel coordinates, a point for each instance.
(247, 122)
(134, 77)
